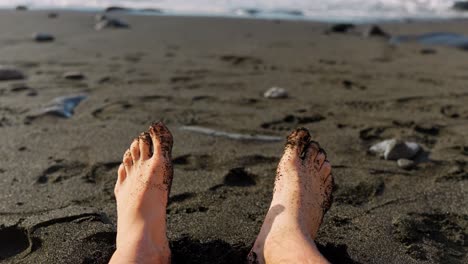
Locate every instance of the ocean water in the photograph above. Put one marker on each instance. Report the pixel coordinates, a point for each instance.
(320, 10)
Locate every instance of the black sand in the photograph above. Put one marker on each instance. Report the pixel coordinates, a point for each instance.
(57, 175)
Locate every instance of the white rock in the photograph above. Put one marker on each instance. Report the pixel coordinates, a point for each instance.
(393, 149)
(276, 92)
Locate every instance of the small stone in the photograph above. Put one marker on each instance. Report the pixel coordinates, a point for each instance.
(341, 28)
(110, 23)
(117, 9)
(275, 93)
(10, 73)
(52, 15)
(43, 37)
(19, 87)
(393, 149)
(73, 76)
(375, 31)
(405, 164)
(460, 6)
(427, 129)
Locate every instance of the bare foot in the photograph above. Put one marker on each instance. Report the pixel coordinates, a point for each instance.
(142, 190)
(301, 197)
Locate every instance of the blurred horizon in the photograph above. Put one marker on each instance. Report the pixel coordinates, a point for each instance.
(319, 10)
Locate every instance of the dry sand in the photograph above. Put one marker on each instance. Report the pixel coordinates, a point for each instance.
(57, 175)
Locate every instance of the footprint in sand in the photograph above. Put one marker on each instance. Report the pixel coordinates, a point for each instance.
(360, 193)
(60, 172)
(109, 111)
(291, 121)
(193, 161)
(440, 237)
(14, 240)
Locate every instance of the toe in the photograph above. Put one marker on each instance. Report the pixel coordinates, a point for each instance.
(162, 139)
(145, 146)
(121, 174)
(320, 159)
(297, 142)
(127, 160)
(135, 150)
(312, 151)
(325, 170)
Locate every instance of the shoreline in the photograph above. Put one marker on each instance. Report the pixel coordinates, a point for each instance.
(268, 17)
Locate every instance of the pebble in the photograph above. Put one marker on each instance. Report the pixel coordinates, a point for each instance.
(341, 28)
(10, 73)
(43, 37)
(460, 6)
(73, 76)
(393, 149)
(110, 23)
(116, 9)
(52, 15)
(405, 164)
(375, 31)
(275, 93)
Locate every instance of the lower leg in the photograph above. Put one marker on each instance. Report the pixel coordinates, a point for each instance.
(141, 191)
(301, 196)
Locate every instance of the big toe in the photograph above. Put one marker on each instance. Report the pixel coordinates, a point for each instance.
(297, 142)
(162, 139)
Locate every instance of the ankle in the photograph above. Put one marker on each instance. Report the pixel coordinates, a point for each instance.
(141, 252)
(142, 246)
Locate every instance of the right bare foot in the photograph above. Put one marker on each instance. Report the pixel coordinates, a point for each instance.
(301, 197)
(142, 189)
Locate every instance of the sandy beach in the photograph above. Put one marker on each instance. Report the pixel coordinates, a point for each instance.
(57, 174)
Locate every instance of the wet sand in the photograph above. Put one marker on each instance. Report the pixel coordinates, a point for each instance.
(57, 175)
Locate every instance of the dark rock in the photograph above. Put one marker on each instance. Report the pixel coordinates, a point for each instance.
(428, 51)
(111, 23)
(460, 6)
(43, 37)
(52, 15)
(73, 76)
(10, 73)
(375, 31)
(117, 9)
(341, 28)
(21, 8)
(427, 129)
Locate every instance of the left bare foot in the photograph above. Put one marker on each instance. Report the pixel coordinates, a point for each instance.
(142, 190)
